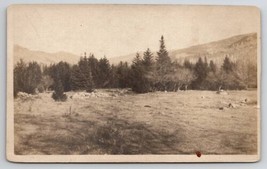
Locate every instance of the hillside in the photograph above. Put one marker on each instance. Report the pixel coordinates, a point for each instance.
(128, 58)
(236, 47)
(43, 57)
(243, 47)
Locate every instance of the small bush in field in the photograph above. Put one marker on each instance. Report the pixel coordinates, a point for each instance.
(58, 94)
(40, 89)
(57, 97)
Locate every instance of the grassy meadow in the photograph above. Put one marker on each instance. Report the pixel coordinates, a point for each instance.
(113, 121)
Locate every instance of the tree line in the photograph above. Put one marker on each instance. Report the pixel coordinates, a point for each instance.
(146, 73)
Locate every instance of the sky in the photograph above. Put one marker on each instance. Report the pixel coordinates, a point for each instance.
(117, 30)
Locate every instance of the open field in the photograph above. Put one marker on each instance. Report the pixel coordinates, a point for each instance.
(120, 122)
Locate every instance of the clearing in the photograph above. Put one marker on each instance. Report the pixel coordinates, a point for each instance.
(114, 121)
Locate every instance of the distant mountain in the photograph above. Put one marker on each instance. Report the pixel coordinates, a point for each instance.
(242, 47)
(43, 57)
(127, 58)
(236, 47)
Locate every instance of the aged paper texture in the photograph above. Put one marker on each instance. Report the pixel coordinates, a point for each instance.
(133, 83)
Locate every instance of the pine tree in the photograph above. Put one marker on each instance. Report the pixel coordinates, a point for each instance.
(33, 77)
(64, 70)
(94, 67)
(139, 82)
(137, 60)
(113, 79)
(27, 77)
(58, 94)
(81, 76)
(148, 59)
(104, 72)
(163, 66)
(227, 66)
(19, 77)
(163, 56)
(206, 65)
(123, 75)
(89, 83)
(86, 74)
(76, 78)
(212, 66)
(187, 64)
(149, 74)
(201, 71)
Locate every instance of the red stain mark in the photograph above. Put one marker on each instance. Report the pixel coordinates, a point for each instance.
(198, 153)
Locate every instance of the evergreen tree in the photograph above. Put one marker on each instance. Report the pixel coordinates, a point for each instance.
(104, 72)
(76, 78)
(163, 56)
(252, 75)
(64, 70)
(33, 77)
(210, 82)
(187, 64)
(27, 77)
(148, 60)
(163, 66)
(230, 77)
(137, 60)
(212, 66)
(123, 74)
(58, 94)
(81, 76)
(86, 74)
(206, 65)
(201, 71)
(227, 66)
(94, 66)
(19, 77)
(113, 80)
(227, 78)
(89, 83)
(139, 82)
(149, 74)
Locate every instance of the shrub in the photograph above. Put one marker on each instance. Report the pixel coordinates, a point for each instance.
(57, 97)
(58, 94)
(40, 89)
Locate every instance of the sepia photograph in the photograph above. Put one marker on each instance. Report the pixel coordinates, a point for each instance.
(133, 83)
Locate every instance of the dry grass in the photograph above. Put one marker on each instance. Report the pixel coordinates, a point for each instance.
(153, 123)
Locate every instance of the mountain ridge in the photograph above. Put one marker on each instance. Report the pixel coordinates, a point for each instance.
(236, 47)
(43, 57)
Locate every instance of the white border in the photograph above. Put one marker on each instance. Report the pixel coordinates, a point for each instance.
(108, 158)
